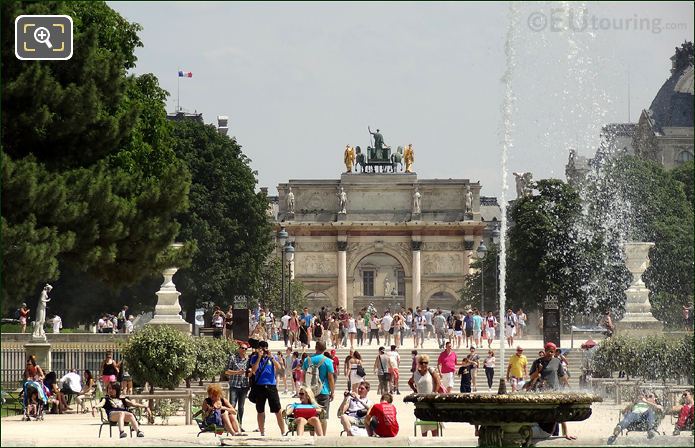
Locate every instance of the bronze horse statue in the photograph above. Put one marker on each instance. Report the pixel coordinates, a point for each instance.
(397, 159)
(360, 159)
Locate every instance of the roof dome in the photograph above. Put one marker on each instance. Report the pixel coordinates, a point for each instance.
(673, 104)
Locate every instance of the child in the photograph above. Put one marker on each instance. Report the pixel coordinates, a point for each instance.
(297, 374)
(33, 403)
(465, 373)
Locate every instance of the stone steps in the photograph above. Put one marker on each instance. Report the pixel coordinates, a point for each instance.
(369, 354)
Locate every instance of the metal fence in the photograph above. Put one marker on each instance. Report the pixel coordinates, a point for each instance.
(62, 360)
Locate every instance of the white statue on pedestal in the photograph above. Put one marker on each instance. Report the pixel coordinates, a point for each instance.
(387, 286)
(416, 202)
(342, 201)
(41, 313)
(469, 199)
(290, 201)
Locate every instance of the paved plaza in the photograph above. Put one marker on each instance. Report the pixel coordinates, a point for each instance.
(82, 430)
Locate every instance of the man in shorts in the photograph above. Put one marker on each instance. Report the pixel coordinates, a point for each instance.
(468, 328)
(263, 365)
(326, 370)
(447, 367)
(517, 369)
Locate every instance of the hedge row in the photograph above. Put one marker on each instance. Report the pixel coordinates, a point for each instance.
(651, 357)
(164, 357)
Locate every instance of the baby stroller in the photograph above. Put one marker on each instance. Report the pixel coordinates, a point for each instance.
(32, 412)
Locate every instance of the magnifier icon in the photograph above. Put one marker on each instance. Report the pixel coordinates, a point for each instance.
(43, 36)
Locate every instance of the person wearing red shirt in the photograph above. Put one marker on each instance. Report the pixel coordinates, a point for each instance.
(447, 366)
(336, 363)
(381, 419)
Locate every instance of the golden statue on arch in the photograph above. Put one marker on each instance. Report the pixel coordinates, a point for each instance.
(409, 158)
(349, 158)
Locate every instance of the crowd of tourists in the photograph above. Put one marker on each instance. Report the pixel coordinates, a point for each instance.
(258, 375)
(341, 328)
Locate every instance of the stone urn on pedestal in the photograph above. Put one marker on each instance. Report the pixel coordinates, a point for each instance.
(638, 320)
(167, 311)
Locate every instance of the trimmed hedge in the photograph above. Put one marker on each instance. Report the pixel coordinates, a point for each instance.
(652, 358)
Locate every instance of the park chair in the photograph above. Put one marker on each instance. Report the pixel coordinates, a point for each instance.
(12, 401)
(418, 422)
(106, 422)
(292, 424)
(206, 428)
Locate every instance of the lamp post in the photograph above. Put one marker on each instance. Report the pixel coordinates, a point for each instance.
(482, 250)
(282, 239)
(289, 251)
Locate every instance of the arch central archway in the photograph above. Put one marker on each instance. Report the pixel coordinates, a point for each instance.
(378, 278)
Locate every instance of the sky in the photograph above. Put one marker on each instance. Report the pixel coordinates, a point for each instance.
(299, 81)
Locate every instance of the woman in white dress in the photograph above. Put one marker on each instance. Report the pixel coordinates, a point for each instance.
(355, 379)
(352, 330)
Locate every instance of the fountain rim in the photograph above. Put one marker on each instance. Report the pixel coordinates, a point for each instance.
(556, 398)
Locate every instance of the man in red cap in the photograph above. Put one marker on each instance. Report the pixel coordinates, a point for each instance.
(547, 371)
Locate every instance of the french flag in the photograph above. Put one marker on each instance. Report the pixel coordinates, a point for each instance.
(183, 74)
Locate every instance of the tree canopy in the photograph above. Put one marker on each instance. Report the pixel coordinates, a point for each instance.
(91, 185)
(552, 251)
(227, 219)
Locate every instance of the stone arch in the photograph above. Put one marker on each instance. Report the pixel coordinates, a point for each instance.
(357, 257)
(438, 287)
(315, 300)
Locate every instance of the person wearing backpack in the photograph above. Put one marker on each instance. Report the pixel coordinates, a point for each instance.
(318, 376)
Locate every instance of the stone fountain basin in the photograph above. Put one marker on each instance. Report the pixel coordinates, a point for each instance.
(496, 409)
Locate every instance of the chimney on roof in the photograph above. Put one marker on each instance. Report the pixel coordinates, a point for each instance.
(222, 124)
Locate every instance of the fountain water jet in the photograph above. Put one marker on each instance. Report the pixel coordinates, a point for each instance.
(504, 419)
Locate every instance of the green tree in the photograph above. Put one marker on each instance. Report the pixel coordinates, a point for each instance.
(211, 357)
(227, 219)
(159, 355)
(659, 211)
(270, 291)
(552, 252)
(94, 144)
(473, 284)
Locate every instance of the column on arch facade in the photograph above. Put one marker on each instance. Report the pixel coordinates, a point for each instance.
(342, 274)
(417, 286)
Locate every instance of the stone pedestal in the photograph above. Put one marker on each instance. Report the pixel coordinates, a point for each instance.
(42, 350)
(638, 320)
(167, 311)
(416, 216)
(342, 216)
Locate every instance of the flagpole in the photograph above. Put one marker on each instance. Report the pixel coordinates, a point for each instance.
(178, 92)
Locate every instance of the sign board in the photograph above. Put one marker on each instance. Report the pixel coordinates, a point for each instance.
(240, 324)
(551, 321)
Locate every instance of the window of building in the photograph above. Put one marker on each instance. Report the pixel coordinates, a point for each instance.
(400, 275)
(368, 283)
(684, 156)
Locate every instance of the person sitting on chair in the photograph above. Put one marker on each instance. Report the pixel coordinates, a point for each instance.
(353, 410)
(117, 409)
(684, 412)
(219, 411)
(306, 412)
(643, 412)
(381, 419)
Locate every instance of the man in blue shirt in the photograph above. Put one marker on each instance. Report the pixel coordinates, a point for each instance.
(477, 328)
(263, 365)
(325, 368)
